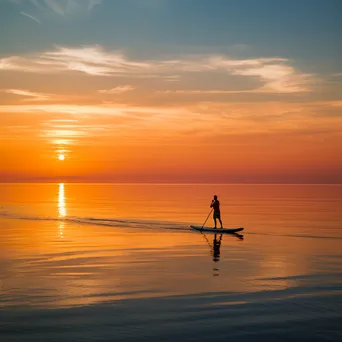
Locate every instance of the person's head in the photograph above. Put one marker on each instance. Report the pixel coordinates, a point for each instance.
(215, 197)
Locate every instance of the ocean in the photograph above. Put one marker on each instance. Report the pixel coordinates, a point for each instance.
(118, 262)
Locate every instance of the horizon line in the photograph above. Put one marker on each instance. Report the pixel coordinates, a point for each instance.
(164, 183)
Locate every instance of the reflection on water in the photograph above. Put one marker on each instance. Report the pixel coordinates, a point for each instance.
(292, 242)
(216, 247)
(62, 212)
(61, 201)
(216, 252)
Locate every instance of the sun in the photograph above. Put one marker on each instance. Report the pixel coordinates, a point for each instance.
(61, 157)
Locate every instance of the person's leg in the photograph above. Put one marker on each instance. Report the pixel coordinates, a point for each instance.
(221, 223)
(215, 221)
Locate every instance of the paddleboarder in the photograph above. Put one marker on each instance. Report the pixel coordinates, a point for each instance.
(215, 204)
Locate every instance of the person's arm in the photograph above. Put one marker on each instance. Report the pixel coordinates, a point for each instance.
(212, 203)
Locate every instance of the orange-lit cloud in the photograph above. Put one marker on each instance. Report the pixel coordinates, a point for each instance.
(117, 90)
(29, 94)
(164, 106)
(173, 114)
(275, 75)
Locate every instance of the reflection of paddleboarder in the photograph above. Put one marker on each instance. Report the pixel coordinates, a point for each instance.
(216, 248)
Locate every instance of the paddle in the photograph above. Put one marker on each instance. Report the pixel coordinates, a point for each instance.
(207, 218)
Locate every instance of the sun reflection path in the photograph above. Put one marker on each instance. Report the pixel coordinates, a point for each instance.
(62, 212)
(61, 201)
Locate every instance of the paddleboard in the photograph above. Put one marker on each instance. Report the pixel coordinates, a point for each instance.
(217, 230)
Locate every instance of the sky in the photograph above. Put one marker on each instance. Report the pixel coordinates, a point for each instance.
(231, 91)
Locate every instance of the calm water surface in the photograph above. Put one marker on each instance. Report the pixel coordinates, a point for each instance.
(115, 262)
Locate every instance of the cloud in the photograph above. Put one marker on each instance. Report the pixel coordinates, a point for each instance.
(275, 75)
(337, 75)
(30, 16)
(113, 110)
(117, 90)
(65, 125)
(57, 7)
(172, 78)
(212, 92)
(27, 93)
(91, 60)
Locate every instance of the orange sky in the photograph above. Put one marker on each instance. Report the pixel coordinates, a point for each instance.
(204, 116)
(199, 141)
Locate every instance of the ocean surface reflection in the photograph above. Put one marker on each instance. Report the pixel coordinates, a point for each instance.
(131, 245)
(62, 212)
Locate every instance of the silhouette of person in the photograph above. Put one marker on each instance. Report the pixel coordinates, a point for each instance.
(216, 248)
(215, 203)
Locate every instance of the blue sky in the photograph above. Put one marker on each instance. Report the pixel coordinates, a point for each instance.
(306, 29)
(307, 34)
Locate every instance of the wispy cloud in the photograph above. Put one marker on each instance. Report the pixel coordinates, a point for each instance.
(199, 92)
(117, 90)
(31, 17)
(46, 99)
(112, 110)
(275, 75)
(27, 93)
(69, 125)
(57, 7)
(173, 78)
(91, 60)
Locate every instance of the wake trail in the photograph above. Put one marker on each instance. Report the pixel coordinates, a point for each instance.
(145, 224)
(107, 222)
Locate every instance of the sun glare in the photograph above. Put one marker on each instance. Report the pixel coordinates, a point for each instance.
(61, 157)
